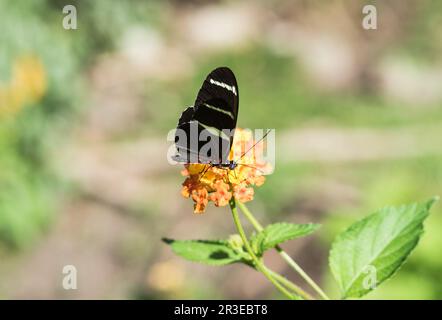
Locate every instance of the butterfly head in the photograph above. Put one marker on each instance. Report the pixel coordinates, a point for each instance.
(232, 165)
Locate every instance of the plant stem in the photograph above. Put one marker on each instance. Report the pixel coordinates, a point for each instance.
(283, 254)
(301, 272)
(255, 259)
(290, 285)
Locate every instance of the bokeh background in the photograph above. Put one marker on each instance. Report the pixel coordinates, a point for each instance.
(84, 115)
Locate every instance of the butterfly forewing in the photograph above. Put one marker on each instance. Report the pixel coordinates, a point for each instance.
(217, 100)
(214, 114)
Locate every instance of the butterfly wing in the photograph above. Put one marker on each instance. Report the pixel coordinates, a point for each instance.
(217, 102)
(215, 112)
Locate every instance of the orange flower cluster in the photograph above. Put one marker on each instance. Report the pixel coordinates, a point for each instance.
(205, 183)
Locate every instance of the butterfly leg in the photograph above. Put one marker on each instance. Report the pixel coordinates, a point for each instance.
(204, 169)
(203, 172)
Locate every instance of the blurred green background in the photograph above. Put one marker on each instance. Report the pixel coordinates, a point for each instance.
(84, 115)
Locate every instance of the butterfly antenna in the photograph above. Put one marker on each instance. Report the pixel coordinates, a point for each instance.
(265, 135)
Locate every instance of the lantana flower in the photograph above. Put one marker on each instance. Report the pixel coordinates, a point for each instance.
(205, 183)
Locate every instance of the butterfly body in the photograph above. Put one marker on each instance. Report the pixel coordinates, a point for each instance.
(231, 165)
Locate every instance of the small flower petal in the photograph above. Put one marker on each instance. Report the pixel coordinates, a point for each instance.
(242, 193)
(221, 195)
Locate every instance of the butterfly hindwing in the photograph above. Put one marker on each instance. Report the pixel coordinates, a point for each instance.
(187, 115)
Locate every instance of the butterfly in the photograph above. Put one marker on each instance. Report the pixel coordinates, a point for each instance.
(205, 130)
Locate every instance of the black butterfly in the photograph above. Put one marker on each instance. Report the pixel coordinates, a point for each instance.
(214, 114)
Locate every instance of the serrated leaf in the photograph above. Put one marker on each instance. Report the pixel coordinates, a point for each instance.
(277, 233)
(371, 250)
(212, 252)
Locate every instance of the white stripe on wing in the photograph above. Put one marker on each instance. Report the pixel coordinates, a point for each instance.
(224, 85)
(214, 131)
(219, 110)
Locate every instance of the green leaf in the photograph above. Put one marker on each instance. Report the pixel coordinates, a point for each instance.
(277, 233)
(213, 252)
(371, 250)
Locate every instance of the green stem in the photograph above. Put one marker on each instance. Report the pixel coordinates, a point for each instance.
(301, 272)
(283, 254)
(255, 259)
(290, 285)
